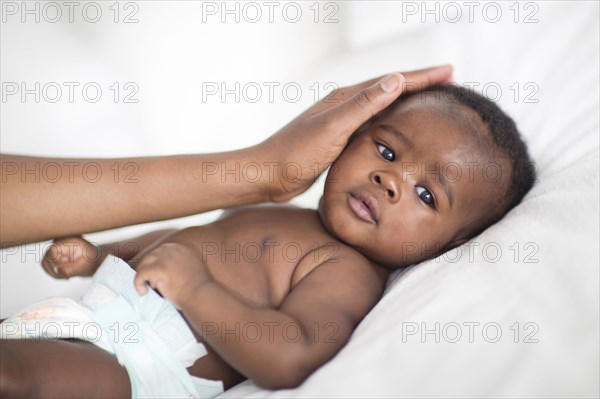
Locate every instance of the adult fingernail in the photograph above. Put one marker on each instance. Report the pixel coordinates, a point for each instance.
(389, 83)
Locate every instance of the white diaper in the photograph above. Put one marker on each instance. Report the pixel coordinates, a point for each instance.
(146, 333)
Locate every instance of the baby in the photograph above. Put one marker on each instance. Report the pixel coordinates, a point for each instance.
(271, 293)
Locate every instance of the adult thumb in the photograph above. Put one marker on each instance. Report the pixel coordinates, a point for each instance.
(359, 108)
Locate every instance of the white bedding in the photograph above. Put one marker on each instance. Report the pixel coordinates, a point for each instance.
(544, 285)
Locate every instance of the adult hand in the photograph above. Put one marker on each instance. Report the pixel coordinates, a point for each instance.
(313, 140)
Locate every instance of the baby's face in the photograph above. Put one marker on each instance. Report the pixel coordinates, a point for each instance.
(411, 184)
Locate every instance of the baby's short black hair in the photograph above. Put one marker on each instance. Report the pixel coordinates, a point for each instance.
(503, 132)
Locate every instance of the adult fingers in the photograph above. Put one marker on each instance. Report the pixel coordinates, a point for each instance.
(429, 76)
(349, 115)
(422, 77)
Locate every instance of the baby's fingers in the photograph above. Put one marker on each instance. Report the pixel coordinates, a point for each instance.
(148, 274)
(51, 268)
(50, 263)
(141, 281)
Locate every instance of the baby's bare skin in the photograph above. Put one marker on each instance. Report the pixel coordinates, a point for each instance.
(275, 265)
(259, 254)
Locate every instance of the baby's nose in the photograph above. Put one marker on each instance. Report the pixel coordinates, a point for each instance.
(388, 183)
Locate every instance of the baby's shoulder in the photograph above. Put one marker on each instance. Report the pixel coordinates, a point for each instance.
(355, 261)
(346, 284)
(336, 261)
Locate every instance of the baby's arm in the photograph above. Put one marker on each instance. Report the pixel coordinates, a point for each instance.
(76, 256)
(282, 346)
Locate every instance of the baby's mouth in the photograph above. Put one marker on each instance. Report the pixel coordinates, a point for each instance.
(364, 206)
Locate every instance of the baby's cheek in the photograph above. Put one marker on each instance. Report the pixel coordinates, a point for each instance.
(405, 244)
(333, 175)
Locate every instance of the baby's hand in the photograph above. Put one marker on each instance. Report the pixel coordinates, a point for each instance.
(174, 270)
(71, 256)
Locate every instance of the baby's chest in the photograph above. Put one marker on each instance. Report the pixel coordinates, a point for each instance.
(263, 268)
(261, 256)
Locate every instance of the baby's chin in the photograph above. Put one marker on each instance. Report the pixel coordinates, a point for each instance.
(373, 254)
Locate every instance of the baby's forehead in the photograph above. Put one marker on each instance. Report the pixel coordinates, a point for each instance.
(438, 104)
(436, 121)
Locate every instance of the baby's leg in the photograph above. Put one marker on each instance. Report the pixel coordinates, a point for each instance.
(60, 369)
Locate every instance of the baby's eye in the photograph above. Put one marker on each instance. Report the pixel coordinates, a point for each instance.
(386, 153)
(425, 196)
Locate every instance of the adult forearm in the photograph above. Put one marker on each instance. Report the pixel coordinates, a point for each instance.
(44, 198)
